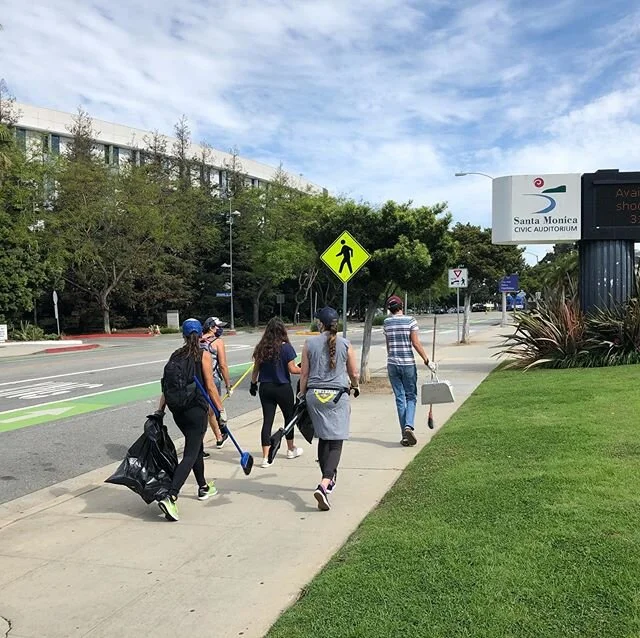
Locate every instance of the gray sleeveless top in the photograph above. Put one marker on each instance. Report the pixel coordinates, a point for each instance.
(320, 374)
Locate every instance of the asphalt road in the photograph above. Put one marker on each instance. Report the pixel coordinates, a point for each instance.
(66, 414)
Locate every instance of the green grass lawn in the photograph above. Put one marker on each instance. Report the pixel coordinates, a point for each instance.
(521, 518)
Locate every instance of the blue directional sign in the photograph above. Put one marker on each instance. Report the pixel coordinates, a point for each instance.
(223, 294)
(510, 283)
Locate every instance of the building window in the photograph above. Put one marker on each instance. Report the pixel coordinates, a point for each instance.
(21, 138)
(45, 142)
(107, 154)
(55, 144)
(115, 155)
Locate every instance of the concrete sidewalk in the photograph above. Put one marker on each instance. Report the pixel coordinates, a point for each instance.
(87, 559)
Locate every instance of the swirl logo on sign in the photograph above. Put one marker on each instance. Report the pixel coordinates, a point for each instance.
(538, 182)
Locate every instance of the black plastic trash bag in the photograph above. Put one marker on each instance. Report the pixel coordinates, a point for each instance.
(150, 463)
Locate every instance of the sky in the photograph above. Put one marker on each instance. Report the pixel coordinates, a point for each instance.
(372, 99)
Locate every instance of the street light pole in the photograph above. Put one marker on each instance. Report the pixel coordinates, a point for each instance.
(232, 214)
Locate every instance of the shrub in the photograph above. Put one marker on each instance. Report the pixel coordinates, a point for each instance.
(557, 334)
(378, 320)
(27, 332)
(165, 330)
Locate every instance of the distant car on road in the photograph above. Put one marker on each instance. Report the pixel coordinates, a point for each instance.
(439, 310)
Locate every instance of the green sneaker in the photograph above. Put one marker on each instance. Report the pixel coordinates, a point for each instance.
(208, 490)
(169, 509)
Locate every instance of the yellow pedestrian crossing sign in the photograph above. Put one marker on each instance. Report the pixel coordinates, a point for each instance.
(345, 257)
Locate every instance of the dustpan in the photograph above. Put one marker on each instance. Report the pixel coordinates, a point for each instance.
(436, 391)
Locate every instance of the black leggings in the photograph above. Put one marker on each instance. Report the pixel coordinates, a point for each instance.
(193, 424)
(274, 395)
(329, 456)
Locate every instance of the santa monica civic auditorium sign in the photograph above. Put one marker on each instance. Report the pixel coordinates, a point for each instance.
(566, 208)
(537, 209)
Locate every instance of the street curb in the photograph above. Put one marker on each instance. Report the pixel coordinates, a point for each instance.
(87, 346)
(49, 497)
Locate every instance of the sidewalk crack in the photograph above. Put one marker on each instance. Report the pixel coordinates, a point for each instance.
(9, 625)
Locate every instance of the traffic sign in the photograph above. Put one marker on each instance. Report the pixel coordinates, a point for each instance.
(510, 283)
(223, 294)
(458, 277)
(345, 257)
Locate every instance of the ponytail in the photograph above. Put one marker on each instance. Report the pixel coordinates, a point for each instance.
(331, 342)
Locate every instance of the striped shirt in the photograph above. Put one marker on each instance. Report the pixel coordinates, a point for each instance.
(397, 330)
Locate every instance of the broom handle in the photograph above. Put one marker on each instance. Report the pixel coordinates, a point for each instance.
(238, 382)
(433, 349)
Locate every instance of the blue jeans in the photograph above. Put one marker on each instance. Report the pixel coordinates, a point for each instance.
(404, 381)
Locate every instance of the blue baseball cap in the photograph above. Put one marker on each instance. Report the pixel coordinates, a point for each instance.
(190, 326)
(327, 316)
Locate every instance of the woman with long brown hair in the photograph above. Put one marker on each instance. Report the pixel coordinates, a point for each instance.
(274, 361)
(329, 372)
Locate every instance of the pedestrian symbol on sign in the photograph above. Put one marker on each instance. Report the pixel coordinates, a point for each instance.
(458, 277)
(346, 252)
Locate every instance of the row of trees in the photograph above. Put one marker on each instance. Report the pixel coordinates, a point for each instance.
(121, 245)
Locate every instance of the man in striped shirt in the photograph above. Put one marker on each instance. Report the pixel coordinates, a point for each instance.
(401, 332)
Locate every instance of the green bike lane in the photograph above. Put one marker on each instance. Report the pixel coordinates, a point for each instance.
(64, 408)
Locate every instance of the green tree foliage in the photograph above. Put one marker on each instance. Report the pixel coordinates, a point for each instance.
(25, 262)
(487, 263)
(270, 238)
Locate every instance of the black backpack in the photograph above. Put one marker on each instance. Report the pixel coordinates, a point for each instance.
(178, 385)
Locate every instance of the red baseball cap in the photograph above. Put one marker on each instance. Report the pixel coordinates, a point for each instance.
(394, 302)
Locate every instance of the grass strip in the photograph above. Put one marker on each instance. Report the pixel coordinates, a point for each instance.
(521, 518)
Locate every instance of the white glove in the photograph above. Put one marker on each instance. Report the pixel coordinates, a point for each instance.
(223, 415)
(433, 366)
(229, 391)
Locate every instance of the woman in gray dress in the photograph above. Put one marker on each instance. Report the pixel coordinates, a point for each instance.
(328, 374)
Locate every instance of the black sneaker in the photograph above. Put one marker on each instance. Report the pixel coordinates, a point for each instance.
(332, 485)
(206, 454)
(410, 436)
(222, 441)
(206, 491)
(321, 495)
(404, 442)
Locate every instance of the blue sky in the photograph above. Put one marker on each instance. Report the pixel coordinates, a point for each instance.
(373, 99)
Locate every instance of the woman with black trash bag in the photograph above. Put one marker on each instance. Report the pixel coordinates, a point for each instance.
(189, 409)
(329, 373)
(274, 361)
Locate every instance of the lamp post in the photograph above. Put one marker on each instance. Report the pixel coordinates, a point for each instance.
(473, 173)
(528, 252)
(232, 214)
(503, 323)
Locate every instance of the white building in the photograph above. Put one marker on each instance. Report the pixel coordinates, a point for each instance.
(119, 143)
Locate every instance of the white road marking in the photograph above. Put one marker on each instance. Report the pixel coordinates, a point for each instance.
(95, 394)
(73, 374)
(229, 348)
(33, 415)
(48, 389)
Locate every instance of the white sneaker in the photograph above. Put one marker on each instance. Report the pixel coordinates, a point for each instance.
(295, 453)
(265, 462)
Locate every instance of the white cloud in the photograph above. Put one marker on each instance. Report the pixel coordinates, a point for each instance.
(383, 99)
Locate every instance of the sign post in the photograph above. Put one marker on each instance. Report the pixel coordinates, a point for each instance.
(55, 310)
(458, 278)
(510, 283)
(280, 301)
(344, 258)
